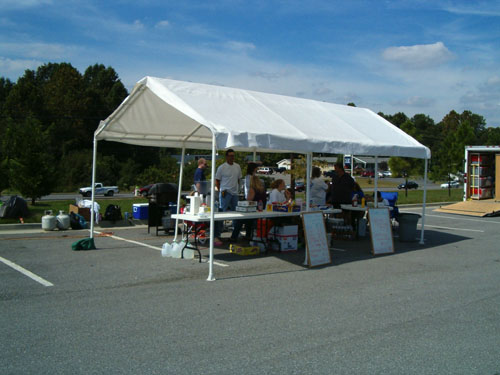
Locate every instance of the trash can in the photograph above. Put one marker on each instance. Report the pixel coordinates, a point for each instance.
(408, 226)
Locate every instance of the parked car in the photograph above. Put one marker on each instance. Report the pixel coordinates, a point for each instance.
(387, 173)
(100, 189)
(144, 191)
(280, 170)
(368, 174)
(410, 185)
(299, 186)
(264, 170)
(452, 184)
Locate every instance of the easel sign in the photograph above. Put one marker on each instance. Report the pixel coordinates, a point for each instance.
(381, 231)
(317, 249)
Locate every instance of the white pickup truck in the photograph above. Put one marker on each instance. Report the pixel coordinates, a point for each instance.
(99, 190)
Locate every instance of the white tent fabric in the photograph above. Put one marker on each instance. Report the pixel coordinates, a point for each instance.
(166, 113)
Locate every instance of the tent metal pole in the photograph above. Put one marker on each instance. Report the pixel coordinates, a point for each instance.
(179, 190)
(375, 190)
(423, 206)
(308, 185)
(254, 155)
(308, 180)
(211, 276)
(92, 213)
(352, 165)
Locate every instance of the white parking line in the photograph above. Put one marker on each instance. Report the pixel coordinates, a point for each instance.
(151, 247)
(459, 229)
(25, 272)
(453, 217)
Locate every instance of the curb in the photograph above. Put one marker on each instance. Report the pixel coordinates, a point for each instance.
(144, 223)
(107, 225)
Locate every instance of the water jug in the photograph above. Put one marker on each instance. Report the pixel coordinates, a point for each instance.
(166, 250)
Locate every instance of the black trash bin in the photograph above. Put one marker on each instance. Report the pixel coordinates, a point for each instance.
(408, 226)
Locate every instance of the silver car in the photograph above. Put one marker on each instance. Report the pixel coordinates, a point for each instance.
(452, 184)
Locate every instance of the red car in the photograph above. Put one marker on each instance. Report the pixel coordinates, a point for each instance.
(368, 174)
(144, 191)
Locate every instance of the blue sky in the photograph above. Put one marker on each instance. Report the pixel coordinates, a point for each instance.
(412, 56)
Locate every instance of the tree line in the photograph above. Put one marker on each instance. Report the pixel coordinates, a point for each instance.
(48, 118)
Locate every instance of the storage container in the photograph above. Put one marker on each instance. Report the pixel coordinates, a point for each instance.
(244, 250)
(140, 211)
(481, 193)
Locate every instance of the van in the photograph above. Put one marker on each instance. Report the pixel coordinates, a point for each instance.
(264, 170)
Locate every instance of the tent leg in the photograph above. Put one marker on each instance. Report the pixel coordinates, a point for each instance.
(423, 206)
(179, 189)
(375, 189)
(211, 276)
(308, 192)
(92, 213)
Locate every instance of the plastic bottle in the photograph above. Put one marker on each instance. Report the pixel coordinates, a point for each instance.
(363, 202)
(260, 206)
(355, 200)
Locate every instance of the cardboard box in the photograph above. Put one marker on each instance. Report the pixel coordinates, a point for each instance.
(284, 242)
(85, 212)
(287, 230)
(246, 208)
(247, 203)
(244, 250)
(280, 208)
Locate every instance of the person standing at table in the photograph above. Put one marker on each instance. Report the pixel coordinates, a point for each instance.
(227, 180)
(199, 177)
(342, 187)
(249, 195)
(318, 188)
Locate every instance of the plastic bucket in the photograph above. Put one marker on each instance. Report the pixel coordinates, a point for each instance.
(408, 226)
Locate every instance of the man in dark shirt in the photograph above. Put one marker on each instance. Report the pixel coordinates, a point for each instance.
(342, 186)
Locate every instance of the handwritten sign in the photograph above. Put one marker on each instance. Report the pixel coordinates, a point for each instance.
(318, 252)
(381, 231)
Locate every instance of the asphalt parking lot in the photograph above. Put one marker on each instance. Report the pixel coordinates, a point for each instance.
(124, 309)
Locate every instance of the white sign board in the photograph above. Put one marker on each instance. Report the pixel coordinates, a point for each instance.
(381, 231)
(317, 249)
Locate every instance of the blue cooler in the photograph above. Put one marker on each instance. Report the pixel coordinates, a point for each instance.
(140, 211)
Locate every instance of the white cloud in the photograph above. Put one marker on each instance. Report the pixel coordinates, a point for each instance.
(10, 67)
(163, 24)
(489, 9)
(22, 4)
(38, 50)
(240, 46)
(416, 101)
(418, 56)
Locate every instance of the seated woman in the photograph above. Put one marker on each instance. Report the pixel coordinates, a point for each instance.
(279, 194)
(358, 192)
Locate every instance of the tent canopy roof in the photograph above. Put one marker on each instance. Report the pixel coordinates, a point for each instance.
(168, 113)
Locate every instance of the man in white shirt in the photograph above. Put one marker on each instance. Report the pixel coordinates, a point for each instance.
(227, 180)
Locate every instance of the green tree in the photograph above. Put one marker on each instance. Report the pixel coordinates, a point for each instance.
(30, 166)
(490, 136)
(397, 119)
(399, 165)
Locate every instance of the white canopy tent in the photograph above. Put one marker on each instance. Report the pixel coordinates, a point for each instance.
(168, 113)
